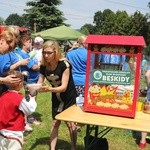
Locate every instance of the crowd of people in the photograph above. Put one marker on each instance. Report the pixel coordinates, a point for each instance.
(43, 60)
(40, 61)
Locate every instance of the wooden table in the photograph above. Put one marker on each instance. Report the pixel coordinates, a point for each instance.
(76, 114)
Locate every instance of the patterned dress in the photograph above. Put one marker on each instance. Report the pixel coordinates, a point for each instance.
(63, 100)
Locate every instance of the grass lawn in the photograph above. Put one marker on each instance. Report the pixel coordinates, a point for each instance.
(38, 139)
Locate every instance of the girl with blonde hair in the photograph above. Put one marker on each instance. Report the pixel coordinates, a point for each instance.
(57, 70)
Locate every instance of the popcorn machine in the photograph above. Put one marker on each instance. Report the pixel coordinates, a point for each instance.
(113, 74)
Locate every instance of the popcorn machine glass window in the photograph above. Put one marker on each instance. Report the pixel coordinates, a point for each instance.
(112, 79)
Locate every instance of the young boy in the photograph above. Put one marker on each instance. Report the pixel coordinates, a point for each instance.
(13, 108)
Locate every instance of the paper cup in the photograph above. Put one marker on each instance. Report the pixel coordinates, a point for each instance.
(139, 106)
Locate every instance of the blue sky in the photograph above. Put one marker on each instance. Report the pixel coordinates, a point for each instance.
(79, 12)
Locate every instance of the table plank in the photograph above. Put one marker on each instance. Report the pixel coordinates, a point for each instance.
(76, 114)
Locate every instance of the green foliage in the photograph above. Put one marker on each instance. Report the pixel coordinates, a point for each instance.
(104, 21)
(87, 29)
(139, 25)
(147, 50)
(121, 22)
(107, 22)
(44, 13)
(15, 19)
(2, 21)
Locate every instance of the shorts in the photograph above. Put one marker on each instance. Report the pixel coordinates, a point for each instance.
(10, 143)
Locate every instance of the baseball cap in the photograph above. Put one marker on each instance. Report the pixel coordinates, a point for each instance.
(38, 40)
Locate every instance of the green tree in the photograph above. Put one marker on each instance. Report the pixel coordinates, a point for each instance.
(139, 25)
(87, 29)
(107, 22)
(121, 23)
(15, 19)
(104, 21)
(44, 14)
(147, 51)
(2, 22)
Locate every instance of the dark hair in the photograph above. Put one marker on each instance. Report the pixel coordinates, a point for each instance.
(23, 38)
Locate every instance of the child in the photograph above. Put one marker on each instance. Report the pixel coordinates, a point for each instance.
(13, 108)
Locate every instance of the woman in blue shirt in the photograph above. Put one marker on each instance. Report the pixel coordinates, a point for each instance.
(78, 58)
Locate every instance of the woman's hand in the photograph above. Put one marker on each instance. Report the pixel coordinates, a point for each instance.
(11, 79)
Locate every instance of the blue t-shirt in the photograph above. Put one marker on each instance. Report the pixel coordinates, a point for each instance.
(6, 61)
(114, 59)
(5, 64)
(78, 60)
(33, 75)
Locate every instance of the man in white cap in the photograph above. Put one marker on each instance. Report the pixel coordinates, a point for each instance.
(36, 53)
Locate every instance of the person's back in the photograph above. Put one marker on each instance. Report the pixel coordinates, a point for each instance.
(78, 58)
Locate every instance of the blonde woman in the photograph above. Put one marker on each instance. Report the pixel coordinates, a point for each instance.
(8, 41)
(15, 30)
(57, 71)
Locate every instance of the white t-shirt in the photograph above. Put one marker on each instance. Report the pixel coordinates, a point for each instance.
(38, 55)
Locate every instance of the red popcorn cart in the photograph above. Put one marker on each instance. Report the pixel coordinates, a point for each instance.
(113, 74)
